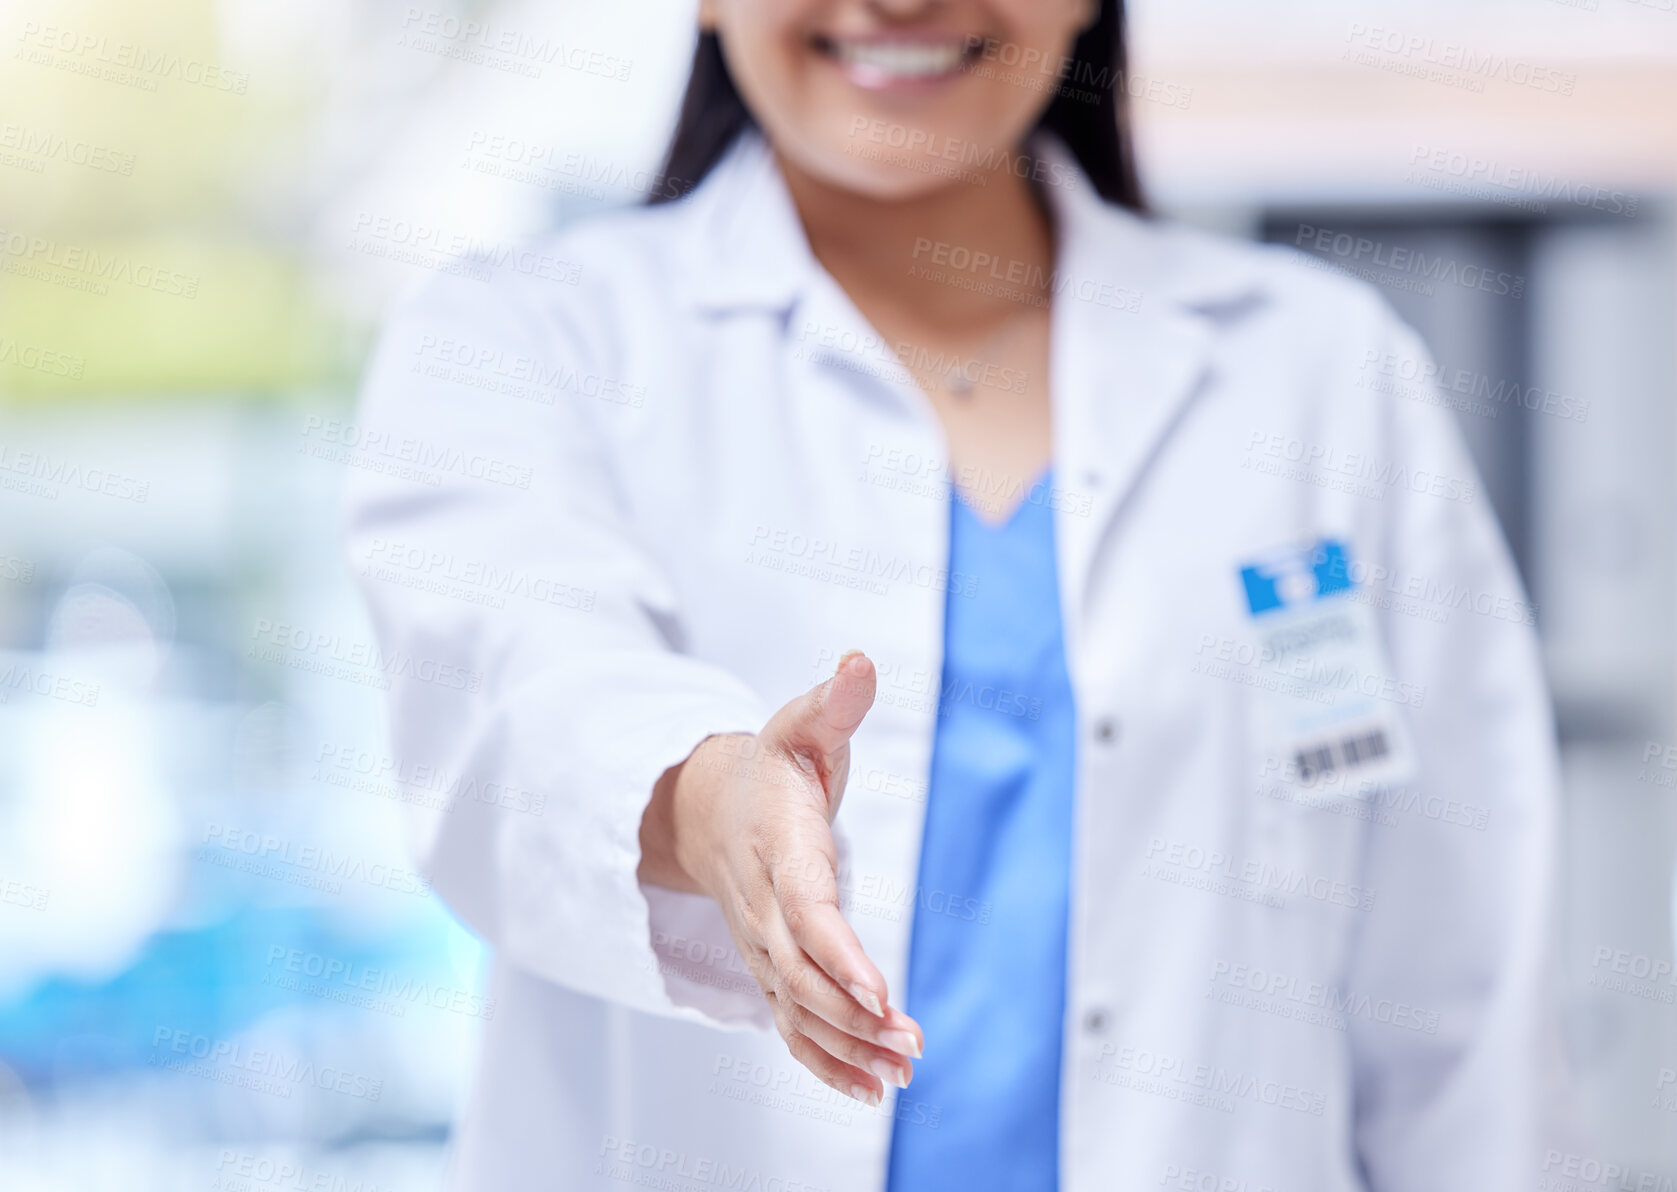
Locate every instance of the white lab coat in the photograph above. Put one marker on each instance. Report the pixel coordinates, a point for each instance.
(653, 477)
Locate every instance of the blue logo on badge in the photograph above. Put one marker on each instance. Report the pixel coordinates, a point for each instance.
(1297, 576)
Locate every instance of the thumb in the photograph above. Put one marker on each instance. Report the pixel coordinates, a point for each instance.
(819, 723)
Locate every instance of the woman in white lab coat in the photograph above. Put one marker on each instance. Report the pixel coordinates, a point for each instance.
(1197, 773)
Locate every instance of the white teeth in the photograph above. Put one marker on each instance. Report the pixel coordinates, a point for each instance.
(907, 59)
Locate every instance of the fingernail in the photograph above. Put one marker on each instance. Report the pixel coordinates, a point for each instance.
(868, 1000)
(901, 1042)
(845, 658)
(865, 1095)
(890, 1073)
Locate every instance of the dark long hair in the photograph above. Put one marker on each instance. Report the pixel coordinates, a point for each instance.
(1090, 112)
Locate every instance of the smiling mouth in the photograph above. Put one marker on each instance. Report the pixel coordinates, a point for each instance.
(877, 62)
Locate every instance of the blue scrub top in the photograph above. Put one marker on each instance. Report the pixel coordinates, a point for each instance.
(987, 958)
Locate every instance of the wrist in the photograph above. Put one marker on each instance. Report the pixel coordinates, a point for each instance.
(670, 821)
(693, 803)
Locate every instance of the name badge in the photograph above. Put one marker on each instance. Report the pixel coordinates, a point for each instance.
(1329, 704)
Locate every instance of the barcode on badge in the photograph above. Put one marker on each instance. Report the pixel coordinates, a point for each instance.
(1346, 754)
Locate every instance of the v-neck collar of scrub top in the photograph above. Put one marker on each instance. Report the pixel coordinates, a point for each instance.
(1136, 313)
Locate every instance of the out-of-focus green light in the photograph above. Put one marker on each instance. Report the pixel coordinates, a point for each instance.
(159, 316)
(142, 247)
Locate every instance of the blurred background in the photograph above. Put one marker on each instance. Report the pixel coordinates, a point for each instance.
(217, 966)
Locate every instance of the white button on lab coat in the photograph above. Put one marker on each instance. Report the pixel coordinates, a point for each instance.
(653, 477)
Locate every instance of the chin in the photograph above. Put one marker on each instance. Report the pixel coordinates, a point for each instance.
(891, 183)
(877, 171)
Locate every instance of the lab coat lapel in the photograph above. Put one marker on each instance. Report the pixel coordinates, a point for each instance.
(752, 251)
(1128, 355)
(1121, 382)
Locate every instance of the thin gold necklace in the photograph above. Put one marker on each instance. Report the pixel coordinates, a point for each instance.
(955, 378)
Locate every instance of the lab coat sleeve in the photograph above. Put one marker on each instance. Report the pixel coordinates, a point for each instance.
(1458, 1090)
(484, 525)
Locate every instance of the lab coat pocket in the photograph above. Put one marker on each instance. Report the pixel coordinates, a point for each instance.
(1311, 840)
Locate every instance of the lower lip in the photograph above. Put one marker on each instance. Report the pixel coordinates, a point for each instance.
(873, 78)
